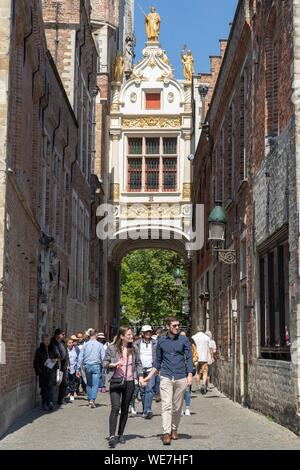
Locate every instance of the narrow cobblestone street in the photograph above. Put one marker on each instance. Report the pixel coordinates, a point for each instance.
(150, 222)
(215, 423)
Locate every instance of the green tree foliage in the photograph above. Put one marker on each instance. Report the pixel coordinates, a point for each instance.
(149, 291)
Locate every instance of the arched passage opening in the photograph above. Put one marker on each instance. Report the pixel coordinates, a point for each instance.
(154, 285)
(127, 260)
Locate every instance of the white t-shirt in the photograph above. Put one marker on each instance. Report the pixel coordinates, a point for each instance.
(213, 347)
(202, 344)
(146, 354)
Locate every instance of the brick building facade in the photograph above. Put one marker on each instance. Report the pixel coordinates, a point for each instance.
(112, 25)
(50, 277)
(248, 160)
(71, 44)
(204, 85)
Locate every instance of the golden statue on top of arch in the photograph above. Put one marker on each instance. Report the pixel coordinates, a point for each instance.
(188, 65)
(118, 67)
(152, 21)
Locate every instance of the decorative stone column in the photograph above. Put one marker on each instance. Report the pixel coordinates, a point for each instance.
(187, 97)
(187, 184)
(115, 173)
(115, 104)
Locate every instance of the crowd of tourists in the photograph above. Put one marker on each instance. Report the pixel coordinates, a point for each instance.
(153, 365)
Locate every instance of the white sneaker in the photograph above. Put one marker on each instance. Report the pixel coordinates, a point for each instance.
(132, 411)
(187, 412)
(182, 413)
(72, 398)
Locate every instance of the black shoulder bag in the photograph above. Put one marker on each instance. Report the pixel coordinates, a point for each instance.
(119, 382)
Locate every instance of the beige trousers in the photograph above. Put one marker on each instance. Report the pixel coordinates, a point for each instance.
(172, 395)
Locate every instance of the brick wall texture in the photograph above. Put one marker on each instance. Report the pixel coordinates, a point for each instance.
(40, 170)
(249, 163)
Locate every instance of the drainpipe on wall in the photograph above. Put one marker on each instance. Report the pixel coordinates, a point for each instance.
(234, 355)
(7, 13)
(57, 14)
(296, 102)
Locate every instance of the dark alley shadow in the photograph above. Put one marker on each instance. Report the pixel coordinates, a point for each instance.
(180, 436)
(28, 418)
(131, 437)
(140, 415)
(36, 413)
(216, 397)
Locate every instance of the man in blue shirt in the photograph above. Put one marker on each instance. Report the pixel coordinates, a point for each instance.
(174, 362)
(91, 357)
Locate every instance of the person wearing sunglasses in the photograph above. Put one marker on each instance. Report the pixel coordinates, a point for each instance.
(174, 363)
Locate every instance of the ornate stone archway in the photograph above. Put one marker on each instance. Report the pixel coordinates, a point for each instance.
(120, 248)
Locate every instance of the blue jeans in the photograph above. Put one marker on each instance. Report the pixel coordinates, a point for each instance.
(92, 377)
(135, 394)
(187, 397)
(101, 378)
(147, 394)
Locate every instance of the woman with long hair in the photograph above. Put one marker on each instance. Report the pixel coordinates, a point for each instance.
(123, 366)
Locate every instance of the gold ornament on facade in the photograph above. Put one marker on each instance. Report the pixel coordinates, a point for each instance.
(188, 65)
(187, 191)
(151, 122)
(115, 107)
(138, 76)
(118, 67)
(136, 211)
(165, 77)
(165, 58)
(153, 211)
(152, 22)
(152, 63)
(115, 191)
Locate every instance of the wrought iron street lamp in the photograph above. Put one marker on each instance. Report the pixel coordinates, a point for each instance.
(217, 224)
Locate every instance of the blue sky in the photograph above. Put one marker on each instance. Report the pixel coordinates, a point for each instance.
(197, 23)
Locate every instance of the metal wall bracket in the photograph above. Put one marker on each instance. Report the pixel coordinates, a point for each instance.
(227, 256)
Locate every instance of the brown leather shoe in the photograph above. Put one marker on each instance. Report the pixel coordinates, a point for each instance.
(166, 439)
(174, 435)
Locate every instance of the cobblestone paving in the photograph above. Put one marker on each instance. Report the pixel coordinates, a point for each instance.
(215, 423)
